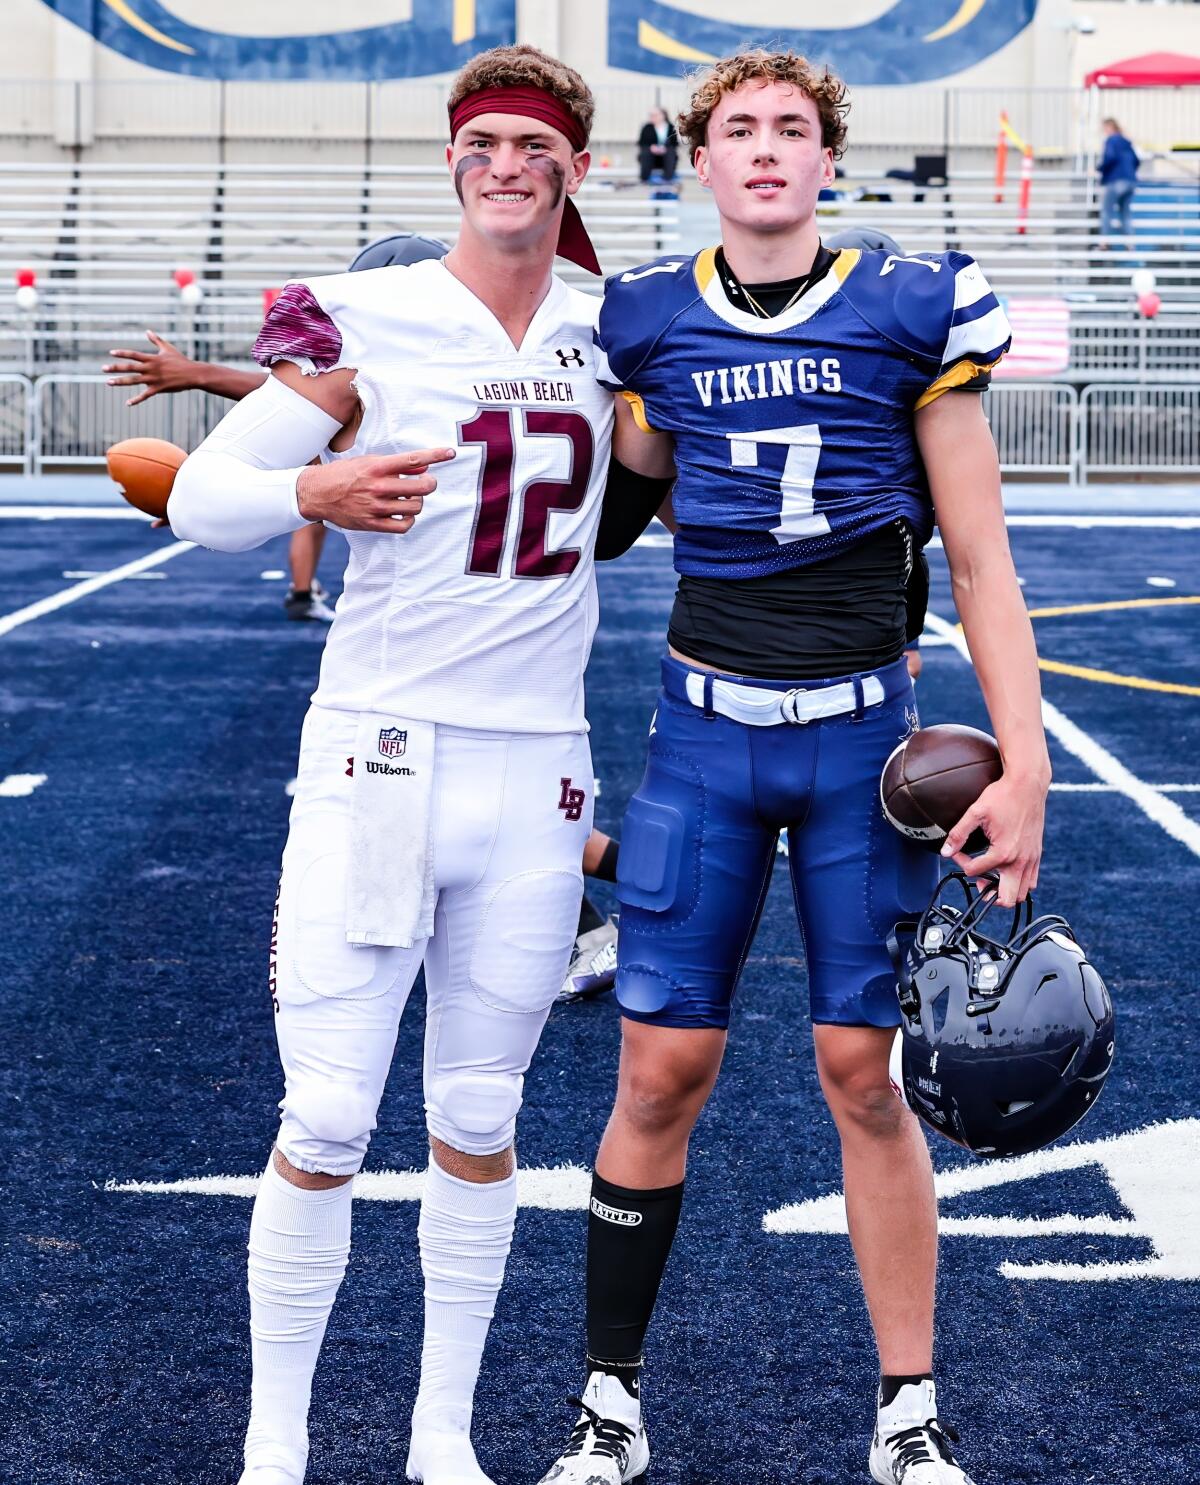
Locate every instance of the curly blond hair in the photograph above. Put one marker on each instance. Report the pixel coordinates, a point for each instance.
(526, 67)
(710, 84)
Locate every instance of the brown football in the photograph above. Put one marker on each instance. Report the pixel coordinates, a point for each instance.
(145, 469)
(934, 777)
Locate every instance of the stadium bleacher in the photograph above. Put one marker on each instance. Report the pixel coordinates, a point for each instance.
(106, 238)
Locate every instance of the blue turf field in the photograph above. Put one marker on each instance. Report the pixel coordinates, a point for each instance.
(137, 1041)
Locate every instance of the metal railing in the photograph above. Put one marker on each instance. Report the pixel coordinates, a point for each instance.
(16, 418)
(75, 418)
(1040, 428)
(1034, 425)
(1061, 122)
(1155, 430)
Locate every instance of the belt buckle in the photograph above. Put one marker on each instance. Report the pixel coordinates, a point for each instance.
(789, 706)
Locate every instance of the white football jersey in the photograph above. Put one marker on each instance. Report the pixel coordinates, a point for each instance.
(482, 614)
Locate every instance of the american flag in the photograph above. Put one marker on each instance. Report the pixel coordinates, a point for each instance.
(1041, 343)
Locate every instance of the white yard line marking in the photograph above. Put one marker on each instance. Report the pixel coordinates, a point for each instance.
(1112, 788)
(1097, 759)
(72, 513)
(12, 621)
(19, 785)
(1155, 1173)
(1168, 523)
(87, 572)
(557, 1188)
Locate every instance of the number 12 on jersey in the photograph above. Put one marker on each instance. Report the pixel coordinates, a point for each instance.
(493, 428)
(798, 516)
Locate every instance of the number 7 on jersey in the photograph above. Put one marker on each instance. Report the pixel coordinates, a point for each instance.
(798, 516)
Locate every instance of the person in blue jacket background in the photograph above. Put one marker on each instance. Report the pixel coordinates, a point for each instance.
(1118, 175)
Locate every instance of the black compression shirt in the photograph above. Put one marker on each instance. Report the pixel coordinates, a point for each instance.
(773, 297)
(846, 614)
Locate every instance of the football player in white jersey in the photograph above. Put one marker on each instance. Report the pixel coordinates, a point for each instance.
(444, 792)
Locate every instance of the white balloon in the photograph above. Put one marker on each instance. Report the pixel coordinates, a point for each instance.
(191, 294)
(1142, 281)
(26, 297)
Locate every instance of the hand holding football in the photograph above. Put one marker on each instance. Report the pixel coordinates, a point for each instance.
(145, 469)
(934, 777)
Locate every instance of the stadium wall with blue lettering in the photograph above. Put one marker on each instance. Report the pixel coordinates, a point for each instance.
(439, 36)
(909, 42)
(915, 41)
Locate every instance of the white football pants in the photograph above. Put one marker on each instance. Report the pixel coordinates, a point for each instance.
(508, 877)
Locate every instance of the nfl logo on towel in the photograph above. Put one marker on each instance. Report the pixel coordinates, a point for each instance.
(392, 742)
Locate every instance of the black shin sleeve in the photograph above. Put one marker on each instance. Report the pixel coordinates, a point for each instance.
(629, 1240)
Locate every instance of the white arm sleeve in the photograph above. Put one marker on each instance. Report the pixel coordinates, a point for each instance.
(239, 488)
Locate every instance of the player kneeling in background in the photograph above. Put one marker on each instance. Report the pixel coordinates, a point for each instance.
(808, 407)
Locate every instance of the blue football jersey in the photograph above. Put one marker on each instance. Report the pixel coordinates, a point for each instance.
(794, 436)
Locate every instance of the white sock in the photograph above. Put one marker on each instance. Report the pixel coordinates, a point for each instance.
(465, 1230)
(299, 1244)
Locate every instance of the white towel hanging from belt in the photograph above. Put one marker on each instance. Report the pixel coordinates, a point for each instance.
(389, 887)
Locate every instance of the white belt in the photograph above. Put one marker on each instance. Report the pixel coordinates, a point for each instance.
(757, 707)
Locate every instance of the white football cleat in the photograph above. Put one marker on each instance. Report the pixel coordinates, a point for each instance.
(442, 1455)
(593, 968)
(272, 1474)
(308, 607)
(910, 1446)
(608, 1446)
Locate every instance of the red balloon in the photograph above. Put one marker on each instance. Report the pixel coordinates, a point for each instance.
(26, 278)
(183, 277)
(1149, 304)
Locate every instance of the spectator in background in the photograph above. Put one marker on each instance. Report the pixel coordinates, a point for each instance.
(658, 146)
(1118, 175)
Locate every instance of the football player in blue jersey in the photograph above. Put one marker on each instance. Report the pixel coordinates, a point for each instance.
(811, 411)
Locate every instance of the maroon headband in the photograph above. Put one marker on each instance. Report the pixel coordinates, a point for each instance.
(574, 243)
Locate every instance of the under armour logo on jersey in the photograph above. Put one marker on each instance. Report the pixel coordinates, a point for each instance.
(570, 801)
(572, 357)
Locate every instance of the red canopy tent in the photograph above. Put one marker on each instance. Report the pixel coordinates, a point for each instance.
(1154, 70)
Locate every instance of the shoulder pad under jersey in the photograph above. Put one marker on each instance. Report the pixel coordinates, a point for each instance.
(937, 305)
(638, 306)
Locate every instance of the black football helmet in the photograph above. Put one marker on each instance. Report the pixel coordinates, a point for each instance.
(1007, 1038)
(869, 239)
(401, 249)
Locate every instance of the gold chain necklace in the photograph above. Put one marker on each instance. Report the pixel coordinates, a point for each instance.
(734, 284)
